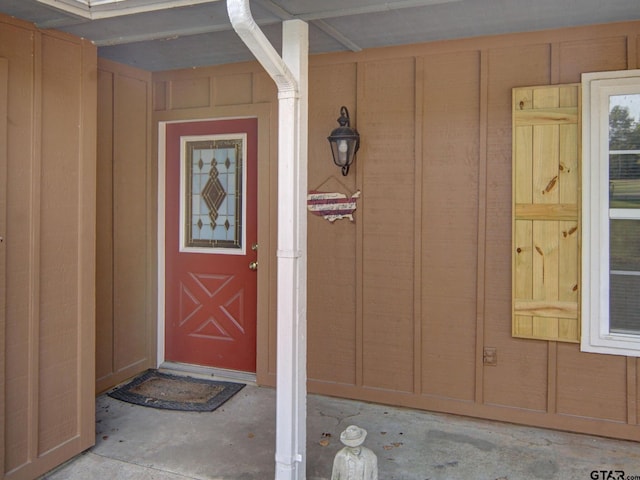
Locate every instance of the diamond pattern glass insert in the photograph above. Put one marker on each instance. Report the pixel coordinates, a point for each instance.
(214, 193)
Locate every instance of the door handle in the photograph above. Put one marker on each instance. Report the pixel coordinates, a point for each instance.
(253, 266)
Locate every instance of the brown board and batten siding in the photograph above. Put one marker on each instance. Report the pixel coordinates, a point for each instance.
(387, 91)
(125, 245)
(47, 216)
(448, 223)
(411, 304)
(428, 321)
(333, 262)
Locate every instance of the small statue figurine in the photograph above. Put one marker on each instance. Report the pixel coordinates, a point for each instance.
(354, 462)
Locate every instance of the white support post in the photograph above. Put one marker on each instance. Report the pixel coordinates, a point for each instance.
(290, 73)
(291, 408)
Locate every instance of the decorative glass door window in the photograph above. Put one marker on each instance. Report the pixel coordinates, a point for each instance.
(213, 190)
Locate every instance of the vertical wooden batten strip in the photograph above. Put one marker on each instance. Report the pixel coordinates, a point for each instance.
(267, 178)
(105, 324)
(118, 144)
(554, 67)
(86, 244)
(552, 377)
(169, 96)
(636, 389)
(632, 390)
(482, 224)
(360, 87)
(4, 98)
(632, 52)
(152, 253)
(34, 251)
(417, 218)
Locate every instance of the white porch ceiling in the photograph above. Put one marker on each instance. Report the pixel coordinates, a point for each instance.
(167, 34)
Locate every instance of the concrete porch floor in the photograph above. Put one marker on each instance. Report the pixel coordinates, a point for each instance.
(237, 441)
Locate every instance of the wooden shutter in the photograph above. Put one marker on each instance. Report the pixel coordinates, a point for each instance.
(546, 213)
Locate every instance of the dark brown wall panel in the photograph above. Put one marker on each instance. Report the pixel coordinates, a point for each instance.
(16, 44)
(61, 75)
(386, 121)
(4, 100)
(160, 95)
(130, 196)
(593, 55)
(233, 89)
(104, 228)
(520, 377)
(125, 343)
(331, 318)
(50, 191)
(190, 93)
(264, 89)
(591, 385)
(450, 139)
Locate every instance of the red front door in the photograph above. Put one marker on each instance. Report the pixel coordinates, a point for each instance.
(210, 243)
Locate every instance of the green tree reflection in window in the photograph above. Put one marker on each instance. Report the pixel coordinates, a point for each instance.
(624, 227)
(624, 154)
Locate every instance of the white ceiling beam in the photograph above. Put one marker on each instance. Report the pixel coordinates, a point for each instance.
(116, 8)
(316, 18)
(276, 9)
(161, 35)
(320, 24)
(336, 35)
(375, 8)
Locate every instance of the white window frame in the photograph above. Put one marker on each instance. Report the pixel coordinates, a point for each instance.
(184, 140)
(596, 89)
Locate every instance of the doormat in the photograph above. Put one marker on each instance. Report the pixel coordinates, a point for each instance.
(174, 392)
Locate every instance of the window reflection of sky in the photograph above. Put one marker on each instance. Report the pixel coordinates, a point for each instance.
(624, 166)
(631, 102)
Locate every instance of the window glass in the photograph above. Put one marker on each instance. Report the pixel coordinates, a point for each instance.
(624, 304)
(624, 151)
(624, 194)
(610, 302)
(624, 280)
(624, 245)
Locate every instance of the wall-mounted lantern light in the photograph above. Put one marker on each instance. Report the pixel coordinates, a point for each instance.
(344, 141)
